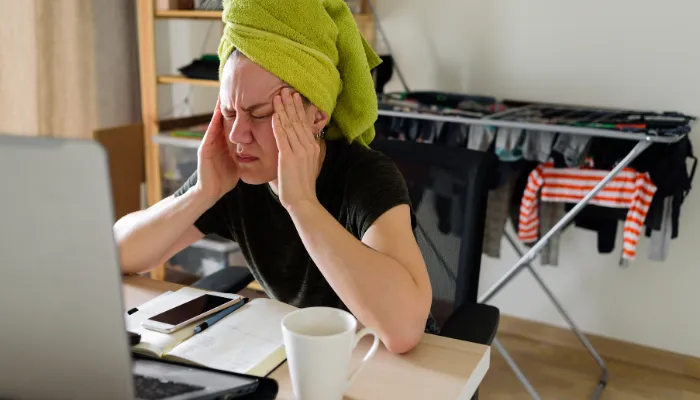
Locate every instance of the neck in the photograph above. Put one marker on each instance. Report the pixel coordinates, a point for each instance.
(274, 185)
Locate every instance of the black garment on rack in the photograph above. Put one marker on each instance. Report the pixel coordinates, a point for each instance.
(603, 220)
(667, 168)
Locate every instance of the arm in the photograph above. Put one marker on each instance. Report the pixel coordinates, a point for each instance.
(148, 238)
(382, 279)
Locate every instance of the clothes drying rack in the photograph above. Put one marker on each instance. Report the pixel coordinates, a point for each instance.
(509, 119)
(522, 118)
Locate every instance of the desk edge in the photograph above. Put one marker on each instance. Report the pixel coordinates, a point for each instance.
(476, 377)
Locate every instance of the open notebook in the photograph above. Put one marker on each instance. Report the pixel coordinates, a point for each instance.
(247, 341)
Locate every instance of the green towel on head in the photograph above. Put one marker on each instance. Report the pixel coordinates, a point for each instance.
(314, 46)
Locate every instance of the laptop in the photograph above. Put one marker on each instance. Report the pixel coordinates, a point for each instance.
(63, 329)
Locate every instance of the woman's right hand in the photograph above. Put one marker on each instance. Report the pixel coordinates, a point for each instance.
(217, 173)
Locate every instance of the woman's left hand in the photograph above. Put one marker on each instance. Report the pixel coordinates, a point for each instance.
(299, 151)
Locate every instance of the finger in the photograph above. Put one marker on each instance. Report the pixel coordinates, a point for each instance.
(288, 103)
(287, 125)
(302, 130)
(280, 111)
(216, 119)
(280, 134)
(293, 136)
(299, 107)
(216, 125)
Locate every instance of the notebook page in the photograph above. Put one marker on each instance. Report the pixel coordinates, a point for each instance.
(241, 341)
(156, 343)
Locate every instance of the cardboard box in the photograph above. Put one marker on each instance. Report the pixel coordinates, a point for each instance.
(174, 4)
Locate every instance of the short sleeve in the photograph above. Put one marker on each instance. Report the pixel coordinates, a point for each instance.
(216, 219)
(375, 185)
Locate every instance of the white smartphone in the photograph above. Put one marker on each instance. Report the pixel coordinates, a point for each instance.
(186, 313)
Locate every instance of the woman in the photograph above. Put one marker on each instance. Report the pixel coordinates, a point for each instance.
(284, 170)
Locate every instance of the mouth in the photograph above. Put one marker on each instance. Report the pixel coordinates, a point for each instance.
(245, 159)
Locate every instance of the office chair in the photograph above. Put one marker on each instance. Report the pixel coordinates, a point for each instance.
(228, 280)
(448, 187)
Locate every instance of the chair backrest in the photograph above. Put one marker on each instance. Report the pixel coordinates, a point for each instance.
(448, 187)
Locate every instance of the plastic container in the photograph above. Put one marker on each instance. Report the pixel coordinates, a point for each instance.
(177, 164)
(208, 256)
(354, 5)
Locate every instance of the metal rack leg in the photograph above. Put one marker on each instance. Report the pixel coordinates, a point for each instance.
(513, 366)
(574, 328)
(526, 258)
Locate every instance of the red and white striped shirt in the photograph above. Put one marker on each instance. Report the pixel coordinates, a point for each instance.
(629, 189)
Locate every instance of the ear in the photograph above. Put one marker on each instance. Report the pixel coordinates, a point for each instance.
(320, 119)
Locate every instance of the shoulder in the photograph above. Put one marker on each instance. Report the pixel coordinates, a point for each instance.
(370, 182)
(362, 168)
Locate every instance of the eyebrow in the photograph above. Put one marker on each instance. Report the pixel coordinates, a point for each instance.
(247, 109)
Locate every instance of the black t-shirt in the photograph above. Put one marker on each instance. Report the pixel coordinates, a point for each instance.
(356, 185)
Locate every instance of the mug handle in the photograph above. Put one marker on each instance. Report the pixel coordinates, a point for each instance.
(372, 350)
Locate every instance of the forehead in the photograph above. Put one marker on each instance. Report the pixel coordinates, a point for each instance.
(244, 83)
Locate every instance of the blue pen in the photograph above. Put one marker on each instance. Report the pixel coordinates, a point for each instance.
(219, 316)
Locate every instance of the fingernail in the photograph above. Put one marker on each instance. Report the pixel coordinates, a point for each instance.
(297, 96)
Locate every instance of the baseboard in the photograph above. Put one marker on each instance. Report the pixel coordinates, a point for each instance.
(609, 349)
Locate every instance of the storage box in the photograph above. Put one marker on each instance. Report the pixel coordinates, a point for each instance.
(174, 4)
(177, 163)
(207, 256)
(209, 4)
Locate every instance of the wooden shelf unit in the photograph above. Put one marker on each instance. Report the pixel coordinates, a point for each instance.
(147, 14)
(173, 79)
(188, 14)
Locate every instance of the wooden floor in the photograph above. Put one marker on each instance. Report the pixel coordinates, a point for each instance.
(562, 373)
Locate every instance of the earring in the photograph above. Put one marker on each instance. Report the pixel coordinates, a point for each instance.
(319, 134)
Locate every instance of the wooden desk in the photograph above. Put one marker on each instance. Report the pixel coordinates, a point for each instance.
(438, 368)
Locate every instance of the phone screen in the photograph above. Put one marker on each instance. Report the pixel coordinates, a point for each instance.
(189, 310)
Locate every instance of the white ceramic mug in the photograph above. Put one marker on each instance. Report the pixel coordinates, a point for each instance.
(319, 342)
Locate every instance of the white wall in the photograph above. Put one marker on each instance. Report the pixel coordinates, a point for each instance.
(624, 53)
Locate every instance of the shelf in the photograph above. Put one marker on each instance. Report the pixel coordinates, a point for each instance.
(172, 79)
(216, 15)
(182, 142)
(364, 21)
(189, 14)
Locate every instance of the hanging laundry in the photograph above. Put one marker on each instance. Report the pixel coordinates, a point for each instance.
(480, 137)
(570, 150)
(669, 170)
(660, 242)
(497, 207)
(509, 143)
(538, 145)
(551, 213)
(629, 189)
(604, 221)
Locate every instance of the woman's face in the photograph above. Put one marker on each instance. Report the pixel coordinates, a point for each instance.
(246, 94)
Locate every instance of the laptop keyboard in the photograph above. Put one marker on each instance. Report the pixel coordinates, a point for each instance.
(154, 388)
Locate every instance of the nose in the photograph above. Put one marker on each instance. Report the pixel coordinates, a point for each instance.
(241, 132)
